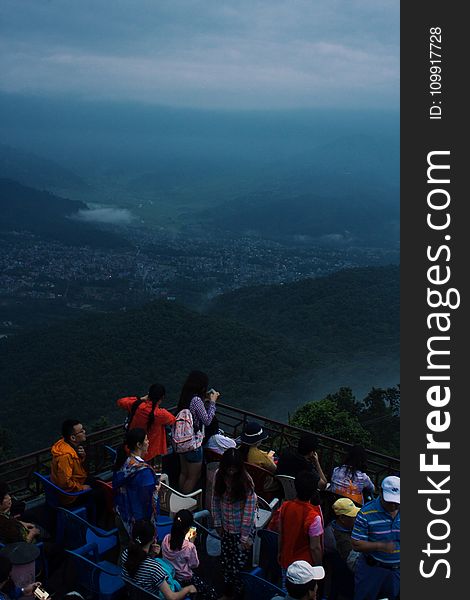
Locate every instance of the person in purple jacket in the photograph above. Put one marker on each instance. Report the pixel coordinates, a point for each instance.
(201, 403)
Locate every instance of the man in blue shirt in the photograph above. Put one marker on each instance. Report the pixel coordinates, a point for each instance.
(376, 535)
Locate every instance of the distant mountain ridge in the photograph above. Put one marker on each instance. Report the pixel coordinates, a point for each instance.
(46, 215)
(29, 169)
(348, 311)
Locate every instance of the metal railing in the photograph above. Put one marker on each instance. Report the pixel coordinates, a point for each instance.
(18, 472)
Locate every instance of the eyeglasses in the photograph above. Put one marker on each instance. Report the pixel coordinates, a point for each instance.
(79, 432)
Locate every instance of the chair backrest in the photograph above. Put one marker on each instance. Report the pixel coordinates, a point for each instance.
(137, 592)
(111, 452)
(172, 501)
(78, 532)
(257, 588)
(268, 555)
(265, 511)
(261, 478)
(100, 579)
(108, 494)
(288, 485)
(53, 492)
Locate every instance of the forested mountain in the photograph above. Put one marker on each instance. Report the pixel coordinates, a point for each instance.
(347, 312)
(283, 332)
(46, 215)
(82, 367)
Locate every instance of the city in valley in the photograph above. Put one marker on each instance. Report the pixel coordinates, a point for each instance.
(41, 280)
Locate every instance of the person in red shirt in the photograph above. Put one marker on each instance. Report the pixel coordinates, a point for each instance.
(145, 413)
(301, 524)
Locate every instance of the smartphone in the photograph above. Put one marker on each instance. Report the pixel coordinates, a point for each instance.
(40, 593)
(211, 391)
(191, 533)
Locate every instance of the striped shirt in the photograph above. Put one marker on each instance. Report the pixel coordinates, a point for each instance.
(150, 575)
(374, 524)
(237, 517)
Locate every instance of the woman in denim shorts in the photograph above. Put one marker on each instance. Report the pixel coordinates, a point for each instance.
(201, 403)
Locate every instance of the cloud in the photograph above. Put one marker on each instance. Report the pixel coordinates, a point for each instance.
(111, 216)
(203, 53)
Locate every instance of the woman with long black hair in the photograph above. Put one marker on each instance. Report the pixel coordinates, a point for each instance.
(146, 413)
(201, 404)
(234, 511)
(134, 484)
(139, 563)
(350, 480)
(178, 548)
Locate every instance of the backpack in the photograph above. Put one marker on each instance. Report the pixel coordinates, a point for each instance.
(131, 413)
(184, 438)
(169, 569)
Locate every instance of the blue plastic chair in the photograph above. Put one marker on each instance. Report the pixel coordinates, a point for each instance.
(268, 555)
(112, 453)
(53, 492)
(256, 588)
(101, 579)
(137, 592)
(78, 532)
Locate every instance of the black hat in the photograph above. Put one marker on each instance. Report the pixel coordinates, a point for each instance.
(20, 553)
(252, 434)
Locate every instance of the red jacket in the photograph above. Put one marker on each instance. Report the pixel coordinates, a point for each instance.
(157, 433)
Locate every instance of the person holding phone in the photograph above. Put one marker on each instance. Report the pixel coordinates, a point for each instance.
(139, 564)
(201, 403)
(178, 548)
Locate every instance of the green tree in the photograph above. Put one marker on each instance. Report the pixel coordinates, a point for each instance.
(328, 418)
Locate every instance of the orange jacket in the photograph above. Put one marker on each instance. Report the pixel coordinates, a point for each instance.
(67, 469)
(157, 433)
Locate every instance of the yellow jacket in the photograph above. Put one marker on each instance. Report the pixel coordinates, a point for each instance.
(67, 469)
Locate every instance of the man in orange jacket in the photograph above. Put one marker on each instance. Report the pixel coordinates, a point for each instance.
(68, 457)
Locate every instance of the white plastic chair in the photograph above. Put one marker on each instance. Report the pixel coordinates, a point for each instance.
(263, 516)
(171, 501)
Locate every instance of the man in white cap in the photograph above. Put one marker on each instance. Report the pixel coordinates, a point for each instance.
(301, 581)
(376, 535)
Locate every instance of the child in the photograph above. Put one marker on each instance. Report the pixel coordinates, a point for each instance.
(301, 524)
(178, 548)
(234, 511)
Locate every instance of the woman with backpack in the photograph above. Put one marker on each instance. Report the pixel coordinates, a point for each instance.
(145, 412)
(178, 549)
(350, 480)
(134, 484)
(140, 564)
(234, 506)
(196, 408)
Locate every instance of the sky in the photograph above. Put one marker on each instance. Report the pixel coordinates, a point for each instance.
(209, 54)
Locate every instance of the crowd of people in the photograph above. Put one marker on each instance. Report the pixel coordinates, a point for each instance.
(360, 544)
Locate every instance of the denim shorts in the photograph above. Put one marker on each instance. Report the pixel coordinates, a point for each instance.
(193, 456)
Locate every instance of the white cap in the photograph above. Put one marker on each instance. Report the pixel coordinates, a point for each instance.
(391, 489)
(301, 571)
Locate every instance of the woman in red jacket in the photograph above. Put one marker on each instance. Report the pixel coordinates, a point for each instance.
(145, 413)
